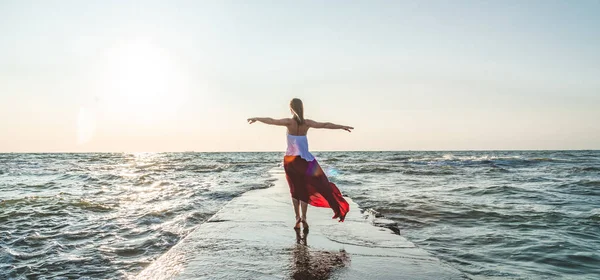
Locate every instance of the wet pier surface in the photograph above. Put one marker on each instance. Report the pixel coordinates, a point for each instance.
(252, 237)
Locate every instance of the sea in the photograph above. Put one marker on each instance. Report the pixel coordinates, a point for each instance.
(489, 214)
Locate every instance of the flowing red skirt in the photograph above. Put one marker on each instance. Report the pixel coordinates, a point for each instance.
(308, 183)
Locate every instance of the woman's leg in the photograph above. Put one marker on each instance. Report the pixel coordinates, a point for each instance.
(296, 203)
(304, 206)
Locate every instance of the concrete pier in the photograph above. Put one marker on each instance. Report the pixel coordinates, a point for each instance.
(252, 237)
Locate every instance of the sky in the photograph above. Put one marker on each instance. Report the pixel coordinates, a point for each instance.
(152, 76)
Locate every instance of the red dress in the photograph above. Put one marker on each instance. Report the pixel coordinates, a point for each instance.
(309, 183)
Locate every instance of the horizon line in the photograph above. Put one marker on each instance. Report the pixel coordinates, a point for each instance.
(314, 151)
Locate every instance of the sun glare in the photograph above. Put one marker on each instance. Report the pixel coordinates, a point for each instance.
(142, 82)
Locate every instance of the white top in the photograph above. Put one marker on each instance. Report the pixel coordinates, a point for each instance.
(297, 145)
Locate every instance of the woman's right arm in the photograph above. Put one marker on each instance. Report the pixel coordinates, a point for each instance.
(328, 125)
(271, 121)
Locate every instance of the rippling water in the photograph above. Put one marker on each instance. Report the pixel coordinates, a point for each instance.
(109, 215)
(524, 215)
(530, 215)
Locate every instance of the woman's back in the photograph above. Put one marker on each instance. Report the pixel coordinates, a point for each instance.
(297, 143)
(294, 128)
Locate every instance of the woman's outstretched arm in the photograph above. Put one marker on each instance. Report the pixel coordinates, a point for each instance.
(271, 121)
(328, 125)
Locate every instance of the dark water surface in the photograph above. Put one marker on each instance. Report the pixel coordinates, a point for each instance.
(516, 215)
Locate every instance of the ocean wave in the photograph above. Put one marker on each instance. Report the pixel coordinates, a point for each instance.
(17, 201)
(92, 206)
(147, 165)
(399, 158)
(96, 159)
(497, 169)
(587, 169)
(50, 204)
(500, 189)
(110, 177)
(250, 187)
(150, 218)
(76, 235)
(203, 168)
(481, 158)
(581, 187)
(78, 176)
(179, 160)
(46, 185)
(513, 219)
(223, 195)
(377, 219)
(429, 172)
(24, 256)
(373, 169)
(345, 182)
(589, 183)
(452, 160)
(242, 167)
(593, 214)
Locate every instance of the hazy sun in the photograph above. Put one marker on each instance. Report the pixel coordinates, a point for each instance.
(141, 81)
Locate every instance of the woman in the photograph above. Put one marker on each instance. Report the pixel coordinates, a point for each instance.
(307, 181)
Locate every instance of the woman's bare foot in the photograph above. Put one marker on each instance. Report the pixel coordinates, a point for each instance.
(304, 223)
(298, 221)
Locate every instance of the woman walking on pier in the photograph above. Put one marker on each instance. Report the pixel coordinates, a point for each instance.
(307, 181)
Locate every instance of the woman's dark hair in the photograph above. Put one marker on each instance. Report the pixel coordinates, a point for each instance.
(298, 110)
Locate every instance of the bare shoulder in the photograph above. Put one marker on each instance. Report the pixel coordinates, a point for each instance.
(312, 123)
(286, 121)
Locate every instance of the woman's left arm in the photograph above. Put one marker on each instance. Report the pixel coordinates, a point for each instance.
(271, 121)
